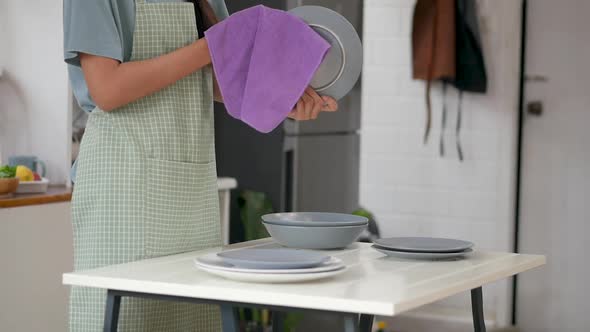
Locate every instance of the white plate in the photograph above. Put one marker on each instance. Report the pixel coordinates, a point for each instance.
(33, 187)
(212, 261)
(422, 255)
(271, 277)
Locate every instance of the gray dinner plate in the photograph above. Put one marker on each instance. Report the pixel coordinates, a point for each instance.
(341, 68)
(422, 255)
(273, 258)
(423, 244)
(314, 219)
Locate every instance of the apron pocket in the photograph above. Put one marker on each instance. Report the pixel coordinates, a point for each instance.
(182, 207)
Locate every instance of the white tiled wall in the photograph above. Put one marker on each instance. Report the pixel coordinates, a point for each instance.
(411, 189)
(34, 90)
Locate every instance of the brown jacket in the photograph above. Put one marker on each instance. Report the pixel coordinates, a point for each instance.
(433, 46)
(433, 39)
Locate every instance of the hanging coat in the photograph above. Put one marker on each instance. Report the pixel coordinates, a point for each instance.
(433, 45)
(470, 75)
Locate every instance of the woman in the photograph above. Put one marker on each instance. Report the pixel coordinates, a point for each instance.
(145, 177)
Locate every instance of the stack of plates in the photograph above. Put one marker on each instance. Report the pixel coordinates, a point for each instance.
(314, 230)
(270, 265)
(423, 247)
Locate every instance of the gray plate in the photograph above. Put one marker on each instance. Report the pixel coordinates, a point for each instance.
(273, 258)
(314, 219)
(422, 255)
(314, 237)
(342, 66)
(423, 244)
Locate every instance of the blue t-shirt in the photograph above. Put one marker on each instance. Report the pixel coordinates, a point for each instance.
(104, 28)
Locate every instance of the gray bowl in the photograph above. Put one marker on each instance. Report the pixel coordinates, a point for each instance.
(314, 237)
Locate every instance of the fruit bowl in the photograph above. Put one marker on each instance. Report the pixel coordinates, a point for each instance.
(8, 186)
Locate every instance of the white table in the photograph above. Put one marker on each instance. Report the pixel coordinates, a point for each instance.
(373, 285)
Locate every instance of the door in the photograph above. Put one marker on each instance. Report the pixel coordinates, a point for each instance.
(555, 183)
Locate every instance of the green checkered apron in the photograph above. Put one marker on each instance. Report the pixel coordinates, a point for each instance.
(146, 182)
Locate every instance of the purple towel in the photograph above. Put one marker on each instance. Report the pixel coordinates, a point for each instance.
(263, 60)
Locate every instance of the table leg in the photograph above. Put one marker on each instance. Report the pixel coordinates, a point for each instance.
(477, 310)
(111, 317)
(278, 321)
(351, 323)
(229, 315)
(229, 318)
(366, 323)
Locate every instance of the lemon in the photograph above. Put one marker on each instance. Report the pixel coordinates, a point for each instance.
(24, 174)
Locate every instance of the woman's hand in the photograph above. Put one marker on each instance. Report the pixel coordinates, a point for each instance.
(311, 104)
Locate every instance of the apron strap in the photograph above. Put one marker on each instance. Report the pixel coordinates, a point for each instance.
(458, 126)
(429, 77)
(443, 122)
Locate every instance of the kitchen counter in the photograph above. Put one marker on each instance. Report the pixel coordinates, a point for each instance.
(42, 237)
(55, 194)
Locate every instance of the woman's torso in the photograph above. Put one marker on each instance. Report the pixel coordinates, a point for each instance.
(105, 28)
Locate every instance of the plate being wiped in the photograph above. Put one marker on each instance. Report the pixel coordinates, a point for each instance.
(342, 65)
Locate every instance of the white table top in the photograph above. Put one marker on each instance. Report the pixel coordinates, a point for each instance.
(373, 283)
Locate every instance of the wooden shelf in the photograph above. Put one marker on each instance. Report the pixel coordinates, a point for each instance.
(55, 194)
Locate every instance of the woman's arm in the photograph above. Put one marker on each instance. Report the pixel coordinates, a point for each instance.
(113, 84)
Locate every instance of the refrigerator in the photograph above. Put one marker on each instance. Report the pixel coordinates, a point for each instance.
(301, 166)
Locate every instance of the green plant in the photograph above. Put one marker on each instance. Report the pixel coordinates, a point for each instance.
(373, 229)
(364, 213)
(253, 205)
(292, 320)
(7, 172)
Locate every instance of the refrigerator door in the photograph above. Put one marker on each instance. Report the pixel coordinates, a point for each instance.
(255, 160)
(348, 117)
(326, 173)
(237, 5)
